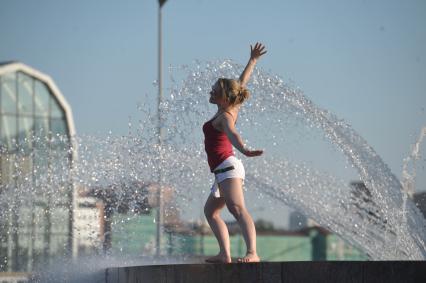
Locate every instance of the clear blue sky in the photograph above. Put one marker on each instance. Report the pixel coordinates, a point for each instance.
(365, 61)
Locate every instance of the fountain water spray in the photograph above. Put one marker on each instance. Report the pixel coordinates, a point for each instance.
(379, 219)
(374, 220)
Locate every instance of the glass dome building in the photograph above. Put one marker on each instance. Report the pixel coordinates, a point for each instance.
(36, 157)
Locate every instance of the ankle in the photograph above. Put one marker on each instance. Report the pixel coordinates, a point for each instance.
(225, 254)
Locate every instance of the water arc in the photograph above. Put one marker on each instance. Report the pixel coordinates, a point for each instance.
(378, 220)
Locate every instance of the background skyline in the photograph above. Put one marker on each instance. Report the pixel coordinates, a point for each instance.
(364, 61)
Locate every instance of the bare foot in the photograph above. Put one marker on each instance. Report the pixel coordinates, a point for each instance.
(250, 257)
(219, 259)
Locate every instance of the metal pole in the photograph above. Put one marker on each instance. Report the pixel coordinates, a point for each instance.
(159, 218)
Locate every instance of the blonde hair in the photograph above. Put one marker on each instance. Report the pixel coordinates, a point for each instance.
(233, 91)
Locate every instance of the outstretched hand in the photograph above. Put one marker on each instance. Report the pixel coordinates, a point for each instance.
(257, 51)
(253, 153)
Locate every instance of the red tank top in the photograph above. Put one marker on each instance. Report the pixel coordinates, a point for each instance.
(217, 145)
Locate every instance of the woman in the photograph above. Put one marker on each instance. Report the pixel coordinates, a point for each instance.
(220, 135)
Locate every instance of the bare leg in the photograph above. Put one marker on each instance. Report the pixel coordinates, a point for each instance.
(212, 210)
(232, 190)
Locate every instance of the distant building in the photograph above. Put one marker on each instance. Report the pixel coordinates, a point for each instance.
(36, 192)
(111, 208)
(89, 225)
(310, 243)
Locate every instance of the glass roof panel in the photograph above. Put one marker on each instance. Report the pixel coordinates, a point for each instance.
(41, 100)
(25, 94)
(56, 110)
(41, 130)
(8, 131)
(8, 93)
(59, 126)
(59, 134)
(25, 133)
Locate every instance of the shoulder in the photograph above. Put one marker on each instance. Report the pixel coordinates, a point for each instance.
(228, 116)
(222, 121)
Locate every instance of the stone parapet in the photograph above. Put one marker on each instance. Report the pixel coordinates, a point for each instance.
(274, 272)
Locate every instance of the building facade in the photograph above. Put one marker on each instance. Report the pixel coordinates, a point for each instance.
(88, 228)
(36, 157)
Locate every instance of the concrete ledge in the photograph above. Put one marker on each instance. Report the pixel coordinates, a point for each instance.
(274, 272)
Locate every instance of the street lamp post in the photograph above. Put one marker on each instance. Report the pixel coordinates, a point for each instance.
(159, 217)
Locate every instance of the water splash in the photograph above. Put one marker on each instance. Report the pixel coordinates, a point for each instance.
(409, 165)
(377, 218)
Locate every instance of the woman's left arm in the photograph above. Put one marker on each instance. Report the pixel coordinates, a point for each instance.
(255, 54)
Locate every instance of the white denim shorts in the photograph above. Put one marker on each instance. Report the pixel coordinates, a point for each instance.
(237, 172)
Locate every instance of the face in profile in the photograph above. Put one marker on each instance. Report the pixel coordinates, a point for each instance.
(215, 94)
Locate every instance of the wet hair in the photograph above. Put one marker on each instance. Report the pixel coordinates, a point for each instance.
(232, 91)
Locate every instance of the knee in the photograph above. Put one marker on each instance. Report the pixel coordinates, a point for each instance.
(209, 213)
(236, 210)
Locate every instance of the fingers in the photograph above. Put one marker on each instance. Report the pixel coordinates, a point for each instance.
(253, 153)
(261, 48)
(258, 49)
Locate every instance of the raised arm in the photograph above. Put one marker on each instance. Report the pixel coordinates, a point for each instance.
(255, 54)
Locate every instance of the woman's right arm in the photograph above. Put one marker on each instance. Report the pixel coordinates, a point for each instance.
(255, 54)
(228, 125)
